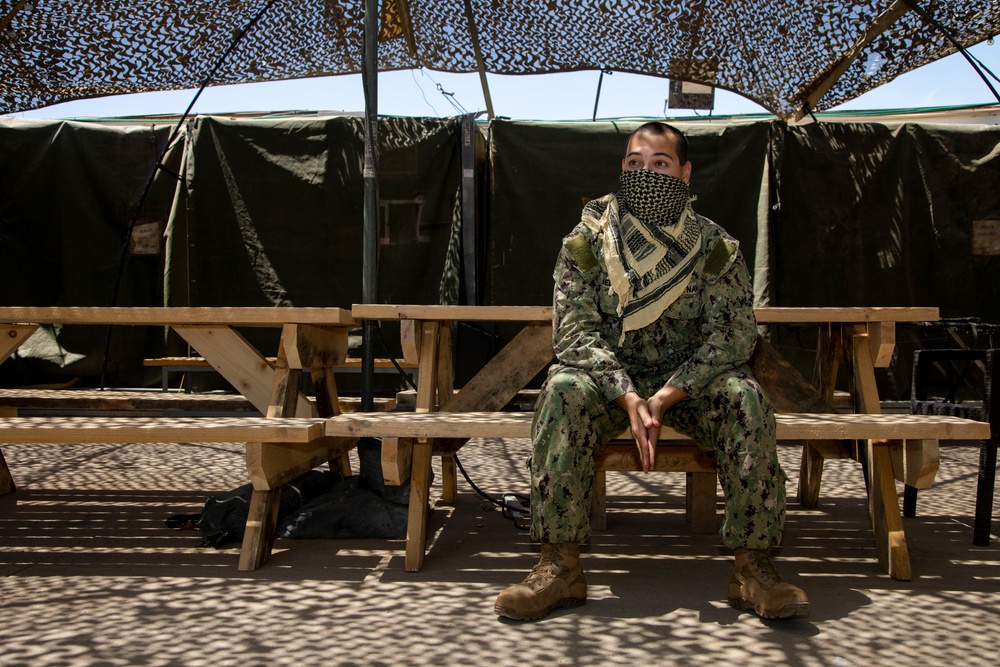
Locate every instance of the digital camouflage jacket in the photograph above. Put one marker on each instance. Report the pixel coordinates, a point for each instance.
(708, 329)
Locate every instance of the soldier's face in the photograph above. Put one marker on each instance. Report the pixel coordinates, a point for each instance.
(657, 153)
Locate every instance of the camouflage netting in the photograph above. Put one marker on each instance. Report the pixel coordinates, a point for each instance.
(779, 53)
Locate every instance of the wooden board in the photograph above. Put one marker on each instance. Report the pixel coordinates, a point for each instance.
(87, 430)
(544, 313)
(12, 337)
(845, 315)
(271, 464)
(679, 458)
(117, 400)
(142, 316)
(372, 311)
(789, 426)
(350, 362)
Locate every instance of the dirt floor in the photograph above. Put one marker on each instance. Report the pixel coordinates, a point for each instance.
(91, 575)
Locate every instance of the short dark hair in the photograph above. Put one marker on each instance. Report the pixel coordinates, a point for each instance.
(660, 129)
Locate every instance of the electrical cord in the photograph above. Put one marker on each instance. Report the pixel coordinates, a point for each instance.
(513, 506)
(406, 376)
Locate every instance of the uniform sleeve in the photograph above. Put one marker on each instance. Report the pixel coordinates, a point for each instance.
(576, 323)
(728, 326)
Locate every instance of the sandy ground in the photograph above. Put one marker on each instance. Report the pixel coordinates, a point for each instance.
(90, 575)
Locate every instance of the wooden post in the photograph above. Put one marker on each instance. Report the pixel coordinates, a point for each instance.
(416, 521)
(883, 501)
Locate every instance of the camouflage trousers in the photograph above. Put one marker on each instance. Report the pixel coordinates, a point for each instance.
(732, 418)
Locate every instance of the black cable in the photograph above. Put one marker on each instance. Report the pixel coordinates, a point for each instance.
(515, 513)
(984, 68)
(926, 16)
(159, 165)
(406, 376)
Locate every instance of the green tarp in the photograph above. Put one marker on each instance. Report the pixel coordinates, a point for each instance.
(259, 212)
(268, 211)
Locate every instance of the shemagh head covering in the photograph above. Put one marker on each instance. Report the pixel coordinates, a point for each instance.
(651, 244)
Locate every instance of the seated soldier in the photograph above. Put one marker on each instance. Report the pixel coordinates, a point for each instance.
(653, 324)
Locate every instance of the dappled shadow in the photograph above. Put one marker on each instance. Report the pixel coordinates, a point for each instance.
(91, 574)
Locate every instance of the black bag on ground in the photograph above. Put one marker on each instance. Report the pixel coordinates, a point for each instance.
(350, 509)
(370, 458)
(224, 517)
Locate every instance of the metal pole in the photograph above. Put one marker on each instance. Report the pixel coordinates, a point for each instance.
(470, 208)
(369, 258)
(597, 98)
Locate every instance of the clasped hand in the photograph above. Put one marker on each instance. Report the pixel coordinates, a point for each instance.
(645, 416)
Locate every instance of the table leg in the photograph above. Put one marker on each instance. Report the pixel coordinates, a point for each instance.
(238, 361)
(272, 465)
(810, 475)
(449, 479)
(828, 351)
(887, 521)
(416, 521)
(262, 523)
(883, 501)
(427, 378)
(328, 405)
(491, 388)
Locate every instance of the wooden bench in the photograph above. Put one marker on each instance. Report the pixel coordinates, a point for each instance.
(169, 365)
(17, 402)
(413, 435)
(278, 450)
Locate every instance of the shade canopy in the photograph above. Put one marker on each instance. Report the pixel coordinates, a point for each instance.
(788, 56)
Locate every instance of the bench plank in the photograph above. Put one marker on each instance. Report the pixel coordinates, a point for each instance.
(790, 426)
(106, 430)
(775, 315)
(158, 316)
(122, 400)
(201, 362)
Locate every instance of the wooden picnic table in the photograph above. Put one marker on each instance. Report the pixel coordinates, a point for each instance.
(313, 340)
(864, 335)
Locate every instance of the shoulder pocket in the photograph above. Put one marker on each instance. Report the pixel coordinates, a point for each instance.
(723, 255)
(580, 250)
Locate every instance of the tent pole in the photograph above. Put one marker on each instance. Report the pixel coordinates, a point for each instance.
(597, 98)
(369, 281)
(480, 65)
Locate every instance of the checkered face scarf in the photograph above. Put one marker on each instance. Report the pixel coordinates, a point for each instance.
(651, 244)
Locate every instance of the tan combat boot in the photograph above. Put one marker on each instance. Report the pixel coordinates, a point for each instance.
(755, 586)
(556, 581)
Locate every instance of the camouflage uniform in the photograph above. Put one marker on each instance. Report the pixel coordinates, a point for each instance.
(699, 344)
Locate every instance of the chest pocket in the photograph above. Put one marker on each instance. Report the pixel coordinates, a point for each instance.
(688, 306)
(607, 299)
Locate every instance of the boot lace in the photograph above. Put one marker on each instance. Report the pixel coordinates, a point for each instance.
(547, 569)
(764, 569)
